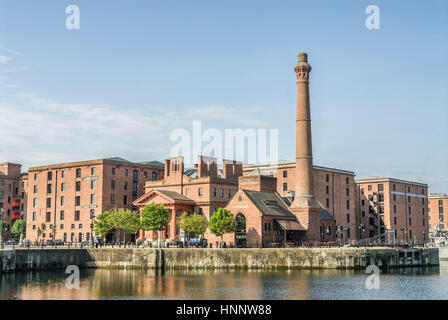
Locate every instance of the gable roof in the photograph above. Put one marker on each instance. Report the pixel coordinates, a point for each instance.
(171, 195)
(260, 199)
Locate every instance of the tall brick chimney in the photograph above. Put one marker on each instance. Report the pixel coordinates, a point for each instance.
(305, 206)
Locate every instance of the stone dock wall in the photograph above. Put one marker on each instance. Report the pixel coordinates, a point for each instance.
(297, 258)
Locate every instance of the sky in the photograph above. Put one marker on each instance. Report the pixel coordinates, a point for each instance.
(137, 70)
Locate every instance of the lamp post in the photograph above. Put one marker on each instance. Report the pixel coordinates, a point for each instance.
(2, 210)
(21, 231)
(92, 216)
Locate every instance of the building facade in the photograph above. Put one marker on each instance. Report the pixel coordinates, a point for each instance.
(202, 189)
(438, 207)
(334, 190)
(396, 207)
(12, 194)
(70, 195)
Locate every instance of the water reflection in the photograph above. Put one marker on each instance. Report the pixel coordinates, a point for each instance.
(412, 283)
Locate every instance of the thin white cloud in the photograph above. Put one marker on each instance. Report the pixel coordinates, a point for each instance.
(11, 51)
(4, 59)
(35, 130)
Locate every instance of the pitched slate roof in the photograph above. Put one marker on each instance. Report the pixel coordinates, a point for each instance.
(261, 199)
(175, 195)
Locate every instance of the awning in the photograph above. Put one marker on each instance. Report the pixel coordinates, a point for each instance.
(290, 225)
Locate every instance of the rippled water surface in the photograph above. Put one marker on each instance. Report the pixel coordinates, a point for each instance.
(413, 283)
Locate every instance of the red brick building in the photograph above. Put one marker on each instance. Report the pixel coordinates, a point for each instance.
(397, 206)
(334, 190)
(70, 195)
(12, 194)
(202, 189)
(438, 206)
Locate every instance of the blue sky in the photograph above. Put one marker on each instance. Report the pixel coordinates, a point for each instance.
(136, 70)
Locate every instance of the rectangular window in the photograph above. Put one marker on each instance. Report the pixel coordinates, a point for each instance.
(113, 171)
(200, 191)
(77, 201)
(49, 187)
(327, 189)
(395, 220)
(348, 218)
(92, 198)
(48, 217)
(125, 200)
(62, 200)
(34, 203)
(112, 184)
(93, 171)
(328, 203)
(35, 189)
(214, 192)
(49, 175)
(135, 174)
(126, 172)
(62, 215)
(348, 204)
(63, 186)
(347, 192)
(221, 193)
(63, 173)
(78, 186)
(380, 188)
(327, 178)
(34, 216)
(369, 188)
(48, 202)
(36, 176)
(229, 193)
(347, 180)
(77, 215)
(93, 184)
(112, 199)
(285, 174)
(125, 186)
(285, 186)
(78, 173)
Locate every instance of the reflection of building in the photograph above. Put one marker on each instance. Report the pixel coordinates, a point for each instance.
(398, 206)
(71, 194)
(438, 205)
(12, 194)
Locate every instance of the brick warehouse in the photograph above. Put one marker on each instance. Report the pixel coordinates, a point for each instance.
(283, 201)
(13, 196)
(438, 206)
(69, 195)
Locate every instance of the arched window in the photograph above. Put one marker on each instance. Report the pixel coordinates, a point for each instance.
(154, 176)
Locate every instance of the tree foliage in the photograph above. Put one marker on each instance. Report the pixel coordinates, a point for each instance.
(155, 217)
(222, 222)
(102, 224)
(194, 224)
(18, 227)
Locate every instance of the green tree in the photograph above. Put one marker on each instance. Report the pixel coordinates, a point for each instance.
(18, 229)
(126, 220)
(194, 224)
(3, 226)
(155, 217)
(221, 222)
(102, 224)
